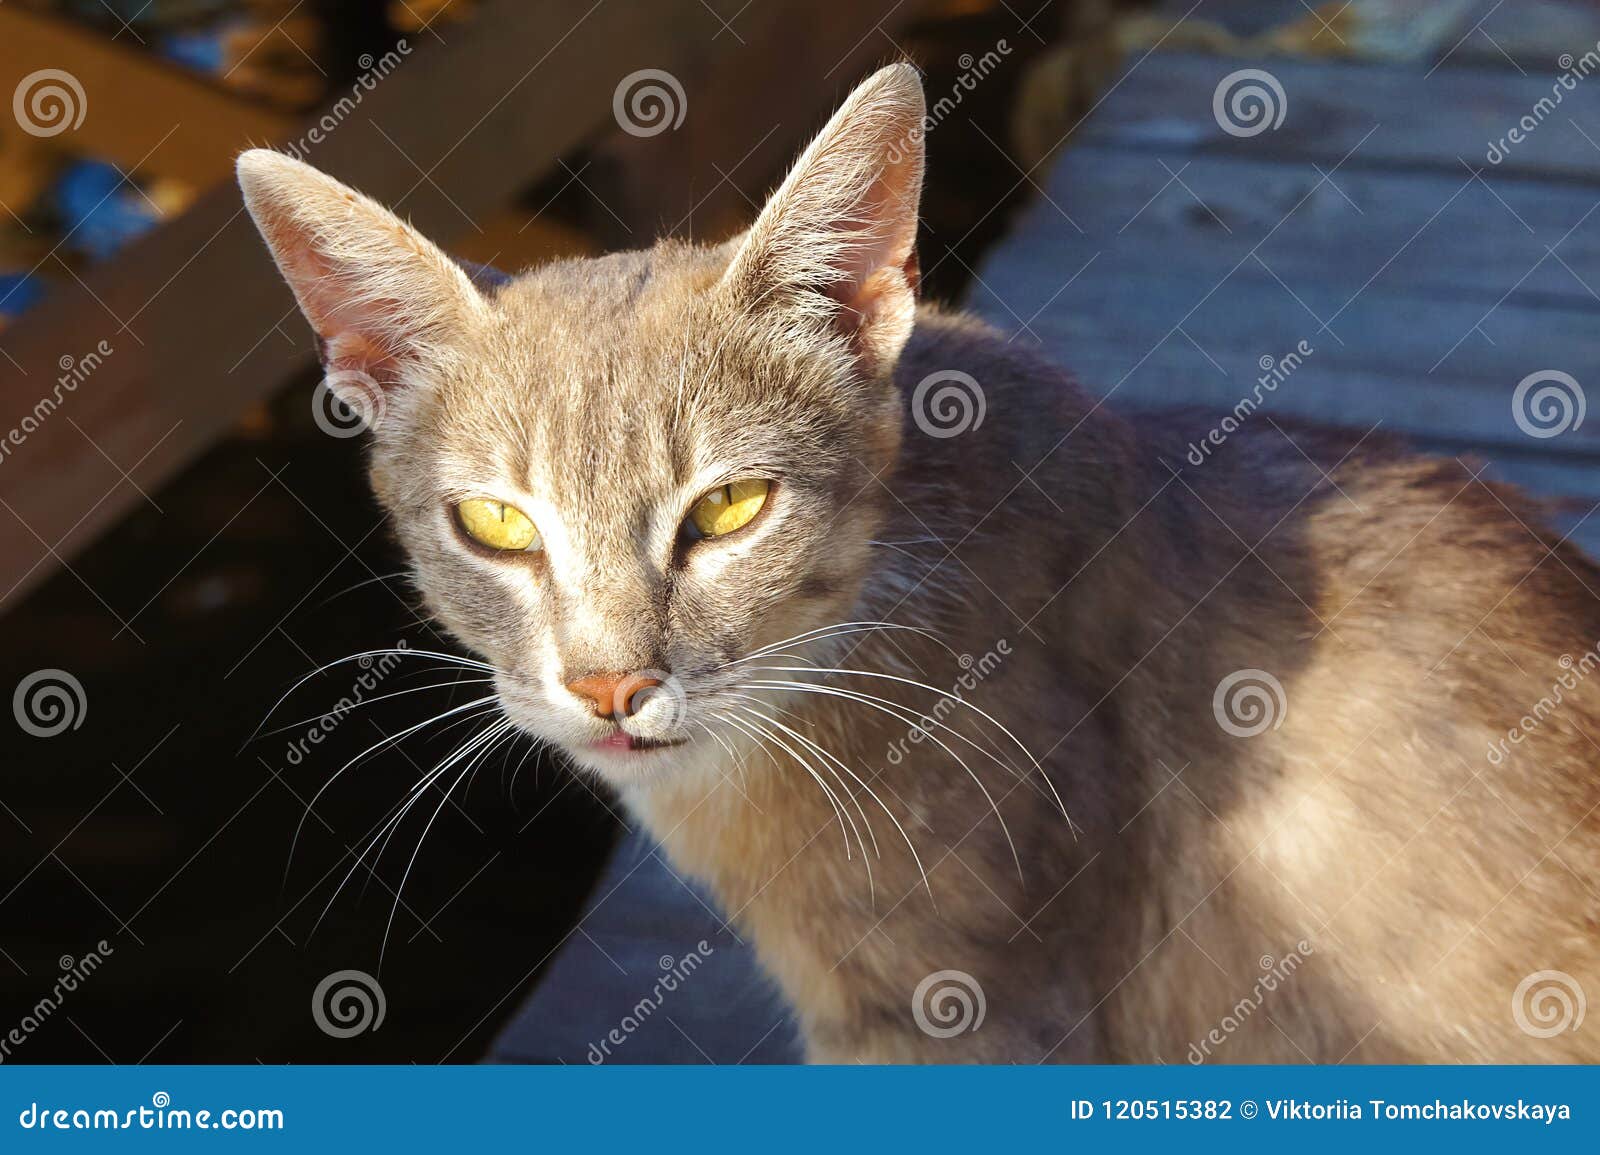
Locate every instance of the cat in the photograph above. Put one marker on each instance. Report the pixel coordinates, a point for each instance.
(1002, 734)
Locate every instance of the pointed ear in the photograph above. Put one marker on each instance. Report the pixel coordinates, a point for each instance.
(838, 238)
(380, 296)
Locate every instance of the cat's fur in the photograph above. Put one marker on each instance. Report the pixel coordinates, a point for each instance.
(1103, 587)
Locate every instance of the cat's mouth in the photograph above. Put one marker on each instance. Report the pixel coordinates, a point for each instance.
(623, 742)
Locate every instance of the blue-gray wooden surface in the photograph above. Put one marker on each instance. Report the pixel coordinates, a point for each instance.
(1164, 258)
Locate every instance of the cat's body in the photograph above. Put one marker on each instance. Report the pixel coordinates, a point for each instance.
(1370, 828)
(1359, 879)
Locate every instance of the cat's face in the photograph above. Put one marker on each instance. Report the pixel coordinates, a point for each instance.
(604, 400)
(557, 453)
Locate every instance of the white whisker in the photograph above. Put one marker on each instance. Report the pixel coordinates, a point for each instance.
(386, 830)
(499, 730)
(823, 633)
(960, 701)
(889, 708)
(383, 577)
(371, 701)
(763, 736)
(470, 663)
(864, 786)
(384, 743)
(827, 760)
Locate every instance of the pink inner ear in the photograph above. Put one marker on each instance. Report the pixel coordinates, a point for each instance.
(356, 340)
(882, 275)
(880, 269)
(356, 368)
(885, 233)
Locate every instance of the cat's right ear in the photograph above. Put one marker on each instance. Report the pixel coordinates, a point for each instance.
(837, 240)
(381, 297)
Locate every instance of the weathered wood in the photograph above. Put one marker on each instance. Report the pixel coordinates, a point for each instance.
(199, 324)
(1163, 335)
(138, 110)
(1154, 216)
(201, 328)
(1378, 115)
(701, 181)
(1426, 294)
(1532, 33)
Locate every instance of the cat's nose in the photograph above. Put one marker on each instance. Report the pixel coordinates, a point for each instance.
(613, 694)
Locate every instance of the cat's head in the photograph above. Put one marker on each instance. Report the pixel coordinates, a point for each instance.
(633, 469)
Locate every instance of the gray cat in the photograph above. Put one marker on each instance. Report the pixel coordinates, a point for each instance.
(1095, 759)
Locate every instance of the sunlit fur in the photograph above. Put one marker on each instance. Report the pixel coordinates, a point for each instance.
(1409, 616)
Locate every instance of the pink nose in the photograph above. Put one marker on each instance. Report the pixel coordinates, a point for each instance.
(610, 694)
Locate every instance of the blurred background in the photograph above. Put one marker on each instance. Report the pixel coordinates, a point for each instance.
(1171, 197)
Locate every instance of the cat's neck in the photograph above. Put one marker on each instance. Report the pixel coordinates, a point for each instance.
(964, 518)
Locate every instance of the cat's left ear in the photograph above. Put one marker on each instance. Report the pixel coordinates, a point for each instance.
(382, 298)
(838, 238)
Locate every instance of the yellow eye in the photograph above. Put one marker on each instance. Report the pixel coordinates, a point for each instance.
(497, 525)
(728, 507)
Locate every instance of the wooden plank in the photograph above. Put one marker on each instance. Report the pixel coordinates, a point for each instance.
(1530, 34)
(1150, 215)
(137, 110)
(1396, 365)
(193, 311)
(708, 179)
(1360, 29)
(1378, 115)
